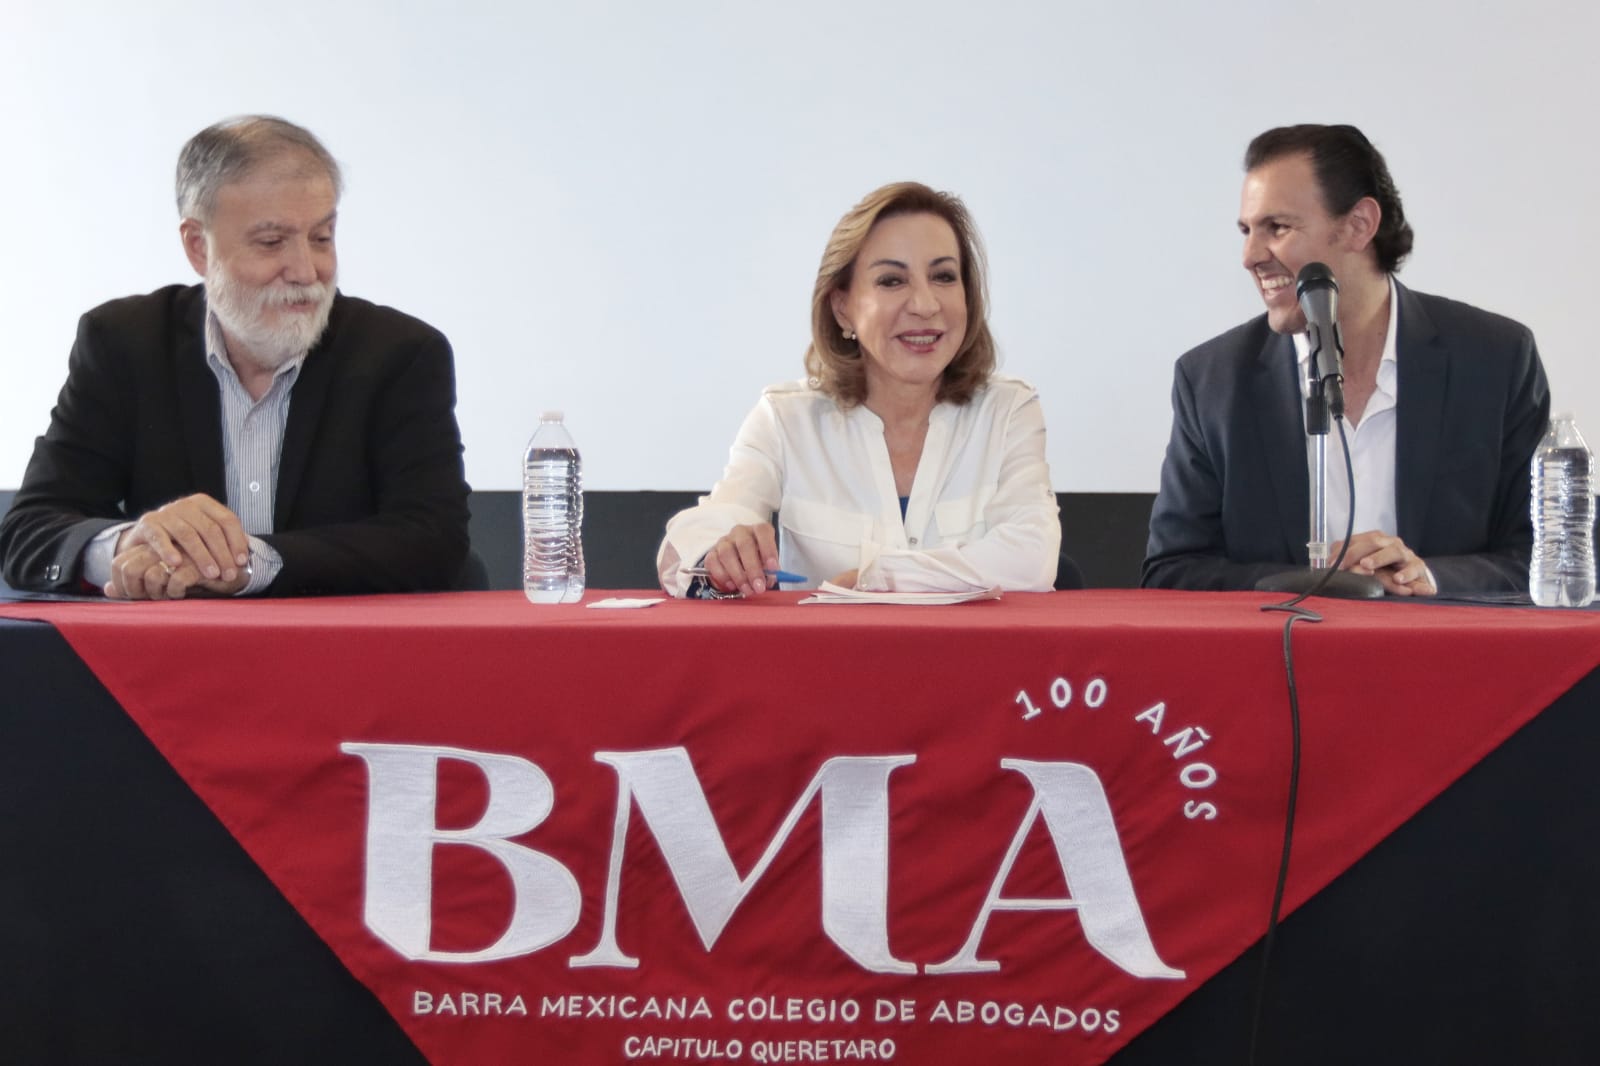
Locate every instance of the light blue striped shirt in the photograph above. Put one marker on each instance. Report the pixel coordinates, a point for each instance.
(252, 445)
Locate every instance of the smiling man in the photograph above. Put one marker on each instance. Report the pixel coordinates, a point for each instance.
(261, 433)
(1445, 403)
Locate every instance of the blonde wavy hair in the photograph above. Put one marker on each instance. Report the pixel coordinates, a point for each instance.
(833, 363)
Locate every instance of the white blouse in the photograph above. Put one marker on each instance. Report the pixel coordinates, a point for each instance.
(981, 514)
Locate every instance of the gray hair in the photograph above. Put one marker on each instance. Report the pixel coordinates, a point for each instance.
(231, 149)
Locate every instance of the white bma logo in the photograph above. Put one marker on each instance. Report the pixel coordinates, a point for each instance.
(853, 794)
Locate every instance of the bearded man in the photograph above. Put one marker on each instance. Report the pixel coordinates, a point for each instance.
(261, 433)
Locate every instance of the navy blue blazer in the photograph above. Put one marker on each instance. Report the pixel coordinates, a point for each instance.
(371, 495)
(1234, 498)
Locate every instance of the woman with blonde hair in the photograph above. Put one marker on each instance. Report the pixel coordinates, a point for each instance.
(904, 462)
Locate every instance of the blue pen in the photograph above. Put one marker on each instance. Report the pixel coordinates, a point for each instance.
(781, 576)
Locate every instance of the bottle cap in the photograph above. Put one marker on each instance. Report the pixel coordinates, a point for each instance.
(551, 416)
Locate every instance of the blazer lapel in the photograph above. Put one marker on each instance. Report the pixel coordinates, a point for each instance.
(1419, 415)
(1281, 438)
(199, 405)
(305, 415)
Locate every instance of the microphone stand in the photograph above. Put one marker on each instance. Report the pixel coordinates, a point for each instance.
(1324, 402)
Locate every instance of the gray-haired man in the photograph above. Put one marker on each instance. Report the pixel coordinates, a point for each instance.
(259, 433)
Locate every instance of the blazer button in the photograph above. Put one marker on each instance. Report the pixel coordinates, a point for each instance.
(52, 572)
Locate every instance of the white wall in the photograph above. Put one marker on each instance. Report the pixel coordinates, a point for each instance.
(618, 208)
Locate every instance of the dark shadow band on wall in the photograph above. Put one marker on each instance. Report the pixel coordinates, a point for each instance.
(1103, 532)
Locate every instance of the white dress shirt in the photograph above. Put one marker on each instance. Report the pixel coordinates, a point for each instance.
(981, 512)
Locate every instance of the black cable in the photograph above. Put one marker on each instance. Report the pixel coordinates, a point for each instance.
(1296, 614)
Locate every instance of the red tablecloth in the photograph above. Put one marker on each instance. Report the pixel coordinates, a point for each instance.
(760, 832)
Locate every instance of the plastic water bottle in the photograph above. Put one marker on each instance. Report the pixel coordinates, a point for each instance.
(1561, 573)
(552, 515)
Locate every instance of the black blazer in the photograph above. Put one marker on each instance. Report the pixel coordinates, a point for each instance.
(371, 496)
(1473, 406)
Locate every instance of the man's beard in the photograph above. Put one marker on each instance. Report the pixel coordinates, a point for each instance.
(243, 312)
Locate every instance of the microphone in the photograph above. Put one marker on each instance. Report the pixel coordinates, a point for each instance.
(1318, 293)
